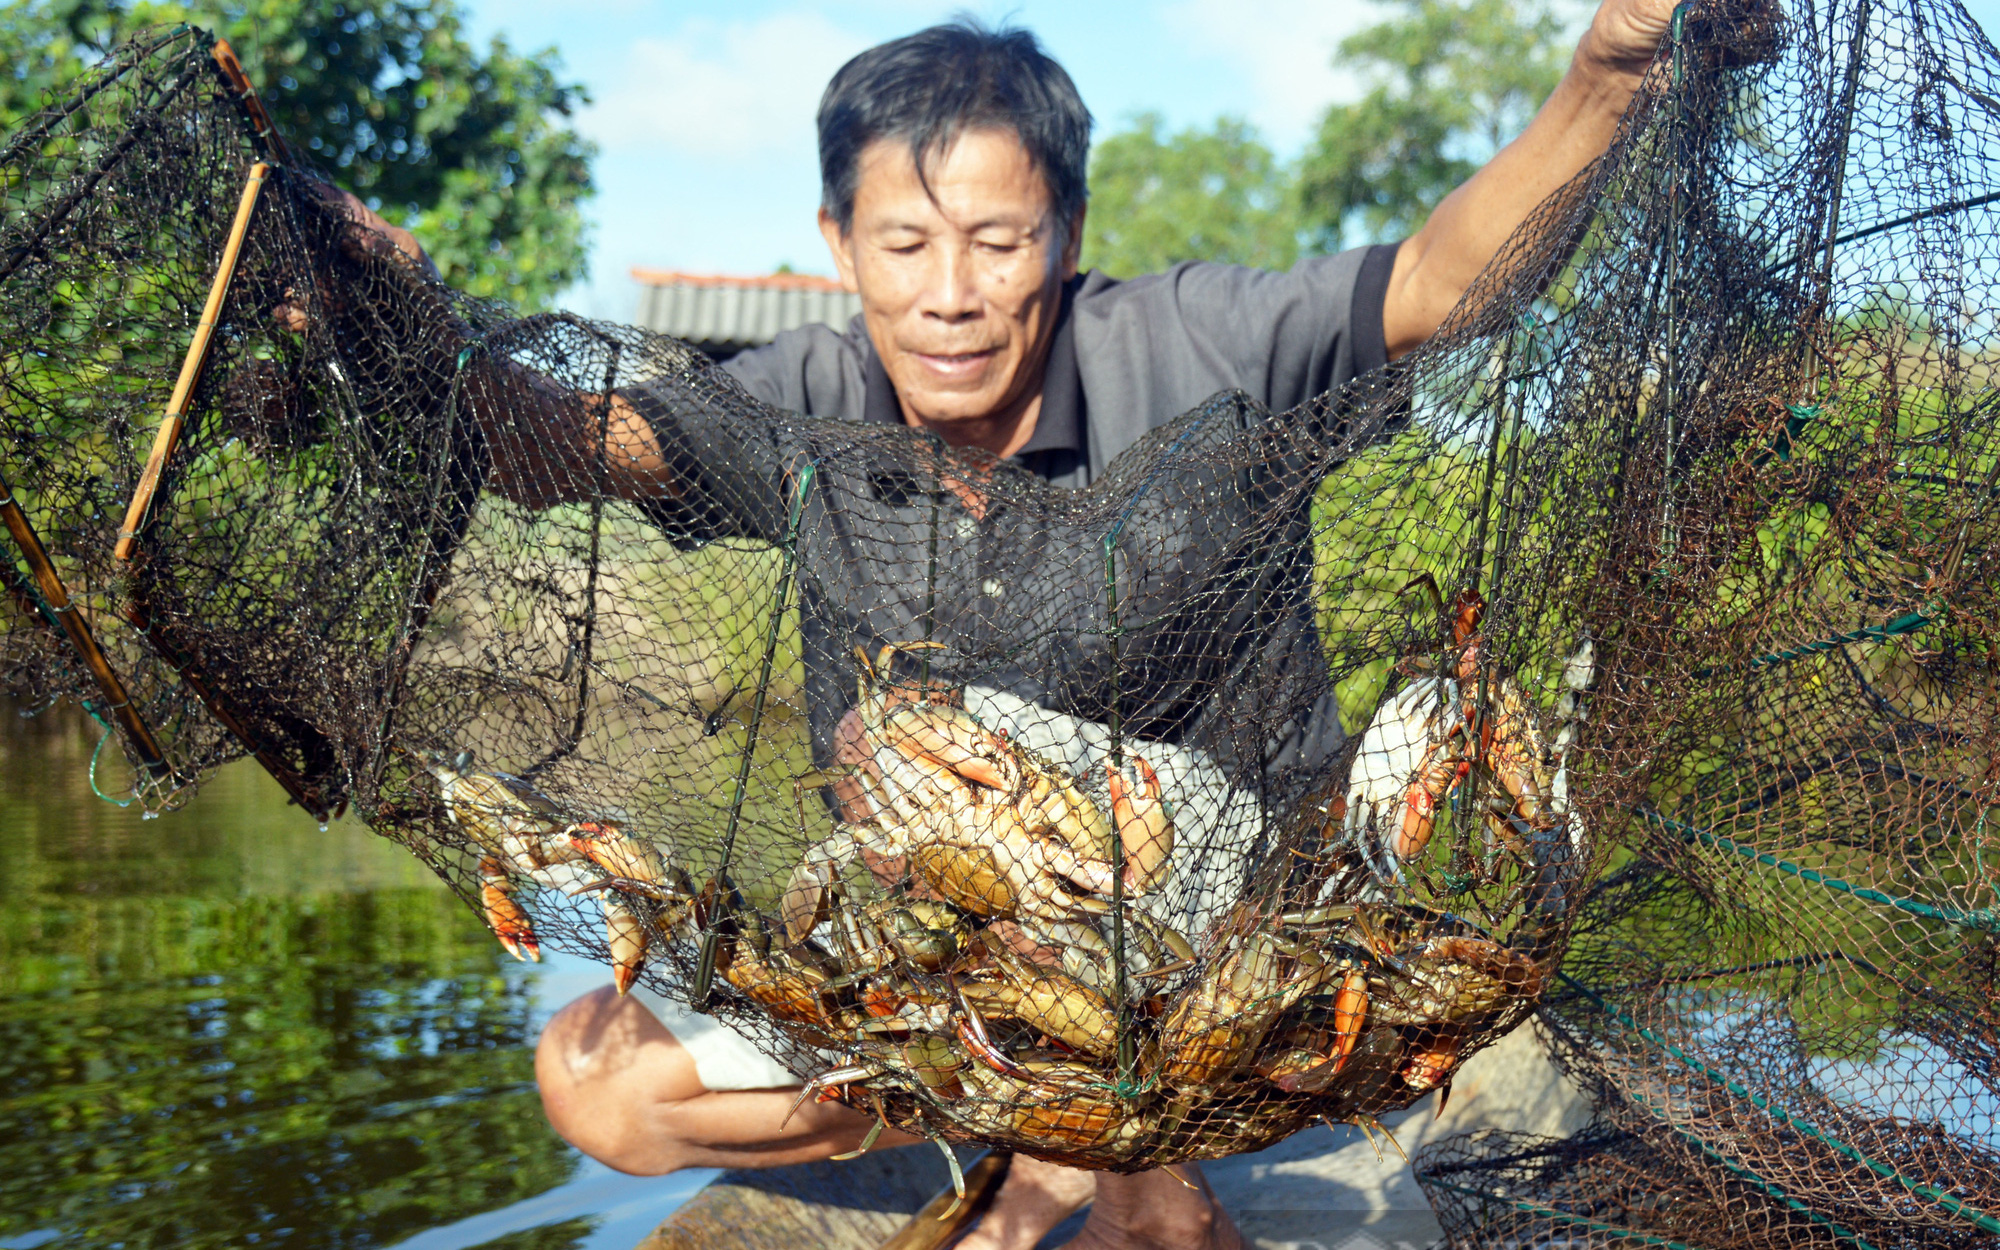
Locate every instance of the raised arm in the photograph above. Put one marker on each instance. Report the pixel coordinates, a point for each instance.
(541, 435)
(1574, 126)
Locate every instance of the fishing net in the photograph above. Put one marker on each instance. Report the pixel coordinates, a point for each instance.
(1627, 649)
(1781, 989)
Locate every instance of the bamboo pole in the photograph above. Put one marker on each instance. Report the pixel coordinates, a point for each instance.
(945, 1216)
(269, 141)
(169, 434)
(117, 701)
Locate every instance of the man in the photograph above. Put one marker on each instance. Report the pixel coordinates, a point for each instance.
(953, 166)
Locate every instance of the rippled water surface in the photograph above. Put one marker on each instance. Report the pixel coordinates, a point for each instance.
(226, 1027)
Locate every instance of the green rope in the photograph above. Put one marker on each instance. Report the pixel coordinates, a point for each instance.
(1564, 1217)
(704, 976)
(97, 751)
(1981, 919)
(26, 586)
(1747, 1176)
(1909, 622)
(1797, 418)
(1932, 1193)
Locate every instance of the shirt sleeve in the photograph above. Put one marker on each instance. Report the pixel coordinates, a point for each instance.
(1154, 347)
(813, 369)
(722, 430)
(724, 454)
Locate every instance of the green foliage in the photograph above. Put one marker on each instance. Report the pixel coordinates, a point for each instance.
(1216, 194)
(1454, 80)
(471, 150)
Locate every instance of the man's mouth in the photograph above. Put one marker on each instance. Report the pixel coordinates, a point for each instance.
(956, 364)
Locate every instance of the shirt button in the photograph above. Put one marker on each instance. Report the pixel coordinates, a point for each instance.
(967, 527)
(991, 587)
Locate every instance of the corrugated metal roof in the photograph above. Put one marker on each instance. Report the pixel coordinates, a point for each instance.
(723, 314)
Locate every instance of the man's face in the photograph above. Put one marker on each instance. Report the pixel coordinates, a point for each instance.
(960, 286)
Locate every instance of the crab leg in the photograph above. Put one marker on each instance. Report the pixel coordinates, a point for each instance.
(874, 1131)
(957, 1179)
(971, 1030)
(831, 1079)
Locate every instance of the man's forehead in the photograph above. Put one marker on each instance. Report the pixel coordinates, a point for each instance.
(981, 174)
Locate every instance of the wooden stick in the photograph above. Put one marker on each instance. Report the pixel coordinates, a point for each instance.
(269, 142)
(926, 1231)
(192, 364)
(116, 700)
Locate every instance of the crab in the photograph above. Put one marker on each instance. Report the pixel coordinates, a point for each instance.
(520, 830)
(1425, 740)
(991, 828)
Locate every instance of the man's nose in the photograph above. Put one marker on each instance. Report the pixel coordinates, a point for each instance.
(952, 295)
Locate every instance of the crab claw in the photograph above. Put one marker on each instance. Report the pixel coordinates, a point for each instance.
(1145, 824)
(1432, 1064)
(611, 849)
(804, 904)
(1052, 857)
(1350, 1012)
(1433, 783)
(954, 738)
(625, 934)
(1413, 833)
(506, 917)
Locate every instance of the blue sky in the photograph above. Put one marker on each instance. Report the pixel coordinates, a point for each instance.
(704, 111)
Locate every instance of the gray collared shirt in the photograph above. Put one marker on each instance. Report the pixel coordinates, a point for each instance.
(1017, 592)
(1129, 356)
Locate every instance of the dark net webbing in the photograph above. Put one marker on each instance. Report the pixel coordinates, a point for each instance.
(1627, 653)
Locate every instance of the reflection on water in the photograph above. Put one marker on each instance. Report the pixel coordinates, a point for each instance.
(227, 1027)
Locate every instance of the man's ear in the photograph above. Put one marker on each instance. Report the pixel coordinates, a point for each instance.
(839, 244)
(1073, 248)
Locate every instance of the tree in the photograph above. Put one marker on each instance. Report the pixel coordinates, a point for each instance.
(1216, 194)
(1454, 81)
(472, 151)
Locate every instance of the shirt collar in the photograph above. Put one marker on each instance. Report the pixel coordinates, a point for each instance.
(1059, 426)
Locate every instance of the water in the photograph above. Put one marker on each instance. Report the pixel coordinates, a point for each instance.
(230, 1027)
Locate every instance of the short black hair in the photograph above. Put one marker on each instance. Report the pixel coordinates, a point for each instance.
(929, 88)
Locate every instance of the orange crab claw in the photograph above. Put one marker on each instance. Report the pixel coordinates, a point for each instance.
(506, 917)
(1420, 805)
(1350, 1012)
(611, 849)
(1419, 820)
(1432, 1064)
(953, 738)
(1145, 825)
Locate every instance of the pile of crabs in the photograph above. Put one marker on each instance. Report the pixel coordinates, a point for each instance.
(979, 947)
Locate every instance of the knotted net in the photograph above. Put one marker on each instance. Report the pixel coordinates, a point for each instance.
(1628, 647)
(1781, 990)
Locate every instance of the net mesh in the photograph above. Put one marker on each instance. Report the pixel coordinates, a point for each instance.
(1625, 653)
